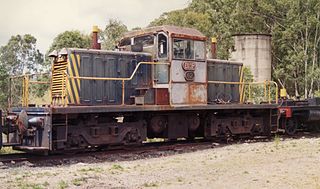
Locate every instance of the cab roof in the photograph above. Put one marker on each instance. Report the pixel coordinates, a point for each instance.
(172, 31)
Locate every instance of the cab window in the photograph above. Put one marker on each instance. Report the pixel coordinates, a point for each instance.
(145, 41)
(162, 46)
(161, 74)
(188, 49)
(199, 50)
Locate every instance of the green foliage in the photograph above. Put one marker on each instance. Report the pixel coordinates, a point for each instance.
(91, 169)
(277, 141)
(70, 39)
(62, 184)
(247, 74)
(19, 56)
(3, 85)
(8, 150)
(117, 167)
(79, 181)
(112, 34)
(294, 26)
(150, 184)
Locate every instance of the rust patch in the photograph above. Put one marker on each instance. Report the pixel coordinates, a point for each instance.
(162, 96)
(198, 94)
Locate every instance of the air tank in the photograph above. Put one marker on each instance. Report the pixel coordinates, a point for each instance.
(254, 50)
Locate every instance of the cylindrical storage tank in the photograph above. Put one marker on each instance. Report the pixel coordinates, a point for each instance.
(254, 50)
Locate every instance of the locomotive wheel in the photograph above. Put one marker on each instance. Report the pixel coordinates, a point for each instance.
(291, 126)
(314, 128)
(158, 124)
(193, 122)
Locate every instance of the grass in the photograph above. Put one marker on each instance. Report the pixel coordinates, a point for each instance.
(25, 185)
(277, 140)
(22, 182)
(150, 184)
(46, 184)
(155, 140)
(117, 167)
(79, 181)
(9, 150)
(62, 184)
(91, 169)
(180, 179)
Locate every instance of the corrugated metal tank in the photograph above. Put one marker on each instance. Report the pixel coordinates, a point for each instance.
(254, 50)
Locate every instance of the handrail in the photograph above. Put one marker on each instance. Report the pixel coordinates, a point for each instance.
(25, 86)
(266, 83)
(33, 74)
(123, 79)
(118, 78)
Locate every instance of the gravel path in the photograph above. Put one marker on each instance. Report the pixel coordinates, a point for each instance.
(292, 163)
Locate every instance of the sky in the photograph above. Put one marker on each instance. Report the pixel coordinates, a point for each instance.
(45, 19)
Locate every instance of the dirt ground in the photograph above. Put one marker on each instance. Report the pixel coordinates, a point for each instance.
(290, 163)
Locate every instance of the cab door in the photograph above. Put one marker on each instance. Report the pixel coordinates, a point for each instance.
(161, 72)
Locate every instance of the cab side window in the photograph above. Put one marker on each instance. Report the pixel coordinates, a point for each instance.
(183, 49)
(162, 46)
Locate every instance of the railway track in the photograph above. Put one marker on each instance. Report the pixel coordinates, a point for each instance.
(147, 150)
(123, 152)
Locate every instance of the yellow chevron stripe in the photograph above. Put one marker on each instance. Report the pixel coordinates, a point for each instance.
(67, 100)
(70, 95)
(75, 66)
(73, 84)
(79, 63)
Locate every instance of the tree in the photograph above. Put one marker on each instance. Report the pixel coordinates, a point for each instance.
(70, 39)
(19, 56)
(112, 34)
(3, 86)
(293, 24)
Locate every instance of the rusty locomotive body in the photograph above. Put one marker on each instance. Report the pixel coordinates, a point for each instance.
(158, 84)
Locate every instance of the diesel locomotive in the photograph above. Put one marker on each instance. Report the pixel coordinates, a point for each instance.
(158, 83)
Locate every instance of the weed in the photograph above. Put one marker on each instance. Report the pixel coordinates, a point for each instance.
(245, 172)
(47, 173)
(117, 167)
(91, 169)
(9, 150)
(150, 184)
(62, 184)
(79, 181)
(46, 184)
(277, 140)
(30, 186)
(155, 140)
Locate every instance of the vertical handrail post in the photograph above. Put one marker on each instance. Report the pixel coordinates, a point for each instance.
(123, 92)
(269, 86)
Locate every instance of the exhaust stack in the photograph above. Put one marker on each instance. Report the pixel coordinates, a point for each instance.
(94, 43)
(213, 48)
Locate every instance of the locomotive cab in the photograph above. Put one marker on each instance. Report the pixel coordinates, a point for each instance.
(183, 81)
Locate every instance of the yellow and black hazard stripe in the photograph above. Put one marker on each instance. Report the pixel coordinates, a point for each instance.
(73, 85)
